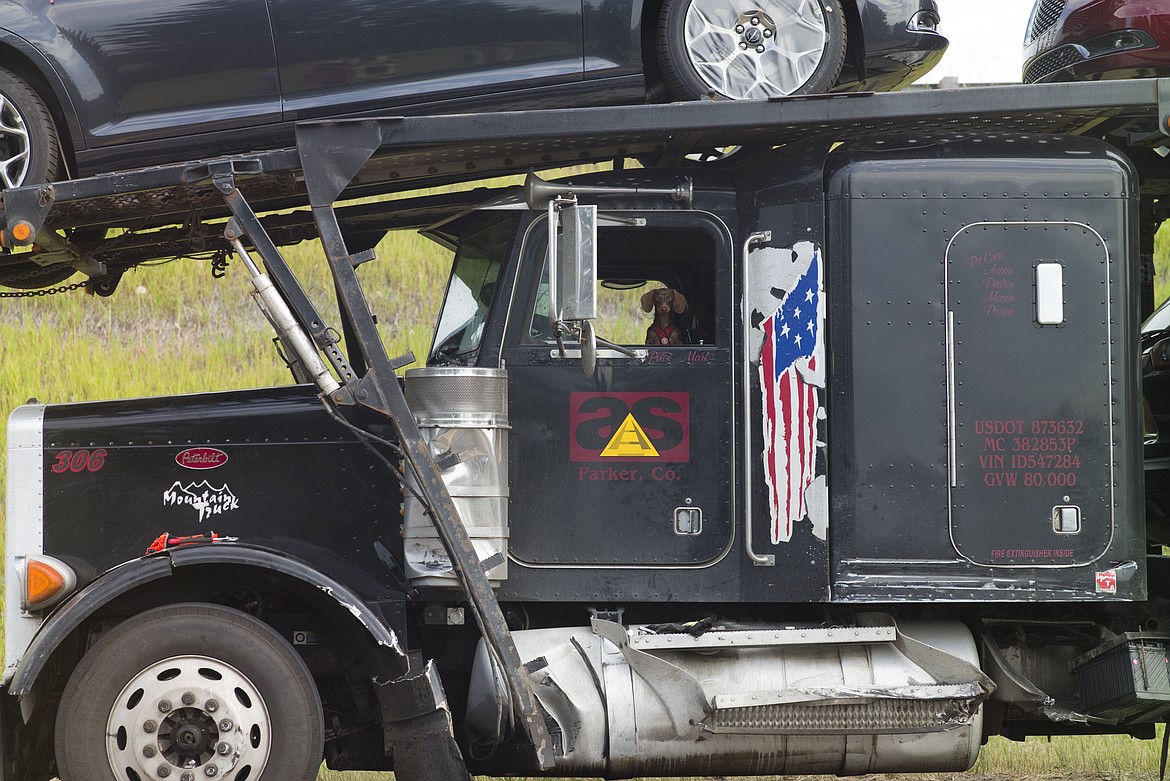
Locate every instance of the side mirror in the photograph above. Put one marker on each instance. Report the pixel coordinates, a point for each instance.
(588, 348)
(572, 263)
(576, 260)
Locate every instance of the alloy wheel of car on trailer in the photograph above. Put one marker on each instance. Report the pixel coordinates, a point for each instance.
(28, 139)
(745, 49)
(29, 152)
(190, 692)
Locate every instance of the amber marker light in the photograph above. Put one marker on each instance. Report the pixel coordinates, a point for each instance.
(44, 581)
(21, 232)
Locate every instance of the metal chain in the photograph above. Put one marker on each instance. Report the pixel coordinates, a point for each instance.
(48, 291)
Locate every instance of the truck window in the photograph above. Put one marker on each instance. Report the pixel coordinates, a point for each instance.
(470, 291)
(633, 264)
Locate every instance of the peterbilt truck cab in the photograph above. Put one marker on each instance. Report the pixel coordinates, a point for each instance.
(878, 498)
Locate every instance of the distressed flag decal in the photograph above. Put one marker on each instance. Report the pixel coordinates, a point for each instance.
(791, 374)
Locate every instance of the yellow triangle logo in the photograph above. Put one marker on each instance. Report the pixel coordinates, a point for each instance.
(629, 441)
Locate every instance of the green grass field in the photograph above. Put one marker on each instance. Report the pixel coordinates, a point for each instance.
(171, 328)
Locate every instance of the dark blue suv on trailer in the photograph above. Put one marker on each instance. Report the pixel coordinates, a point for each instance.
(90, 87)
(97, 86)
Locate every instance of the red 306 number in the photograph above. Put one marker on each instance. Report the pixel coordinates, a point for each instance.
(79, 461)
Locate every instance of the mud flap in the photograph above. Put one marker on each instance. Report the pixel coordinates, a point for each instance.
(424, 750)
(416, 721)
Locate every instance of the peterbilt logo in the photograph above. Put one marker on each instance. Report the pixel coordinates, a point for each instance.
(201, 458)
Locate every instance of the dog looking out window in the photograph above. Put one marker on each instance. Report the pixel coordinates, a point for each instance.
(666, 304)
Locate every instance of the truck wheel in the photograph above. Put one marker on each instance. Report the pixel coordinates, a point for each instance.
(189, 692)
(29, 149)
(743, 49)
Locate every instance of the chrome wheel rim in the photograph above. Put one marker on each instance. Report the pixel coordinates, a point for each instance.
(189, 718)
(763, 50)
(14, 146)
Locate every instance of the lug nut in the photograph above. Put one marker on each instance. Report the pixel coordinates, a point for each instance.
(164, 706)
(211, 771)
(739, 28)
(211, 706)
(188, 698)
(767, 33)
(148, 751)
(223, 749)
(226, 725)
(742, 45)
(187, 776)
(149, 727)
(755, 21)
(760, 49)
(164, 771)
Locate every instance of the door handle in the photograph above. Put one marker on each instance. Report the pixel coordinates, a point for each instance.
(758, 559)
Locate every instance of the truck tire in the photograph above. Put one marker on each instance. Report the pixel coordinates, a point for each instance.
(182, 688)
(743, 50)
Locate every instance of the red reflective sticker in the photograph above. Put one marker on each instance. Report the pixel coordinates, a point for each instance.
(201, 458)
(1107, 582)
(630, 427)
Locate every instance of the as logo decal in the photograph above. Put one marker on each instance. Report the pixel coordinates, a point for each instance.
(630, 441)
(630, 427)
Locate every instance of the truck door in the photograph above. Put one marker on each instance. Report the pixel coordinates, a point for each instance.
(1030, 385)
(632, 467)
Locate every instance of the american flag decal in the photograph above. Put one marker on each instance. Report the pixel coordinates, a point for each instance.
(788, 364)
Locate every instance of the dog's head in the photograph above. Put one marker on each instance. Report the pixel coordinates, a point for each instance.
(664, 300)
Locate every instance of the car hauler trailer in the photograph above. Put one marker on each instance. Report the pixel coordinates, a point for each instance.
(881, 498)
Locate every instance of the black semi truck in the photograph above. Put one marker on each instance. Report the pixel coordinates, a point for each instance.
(871, 492)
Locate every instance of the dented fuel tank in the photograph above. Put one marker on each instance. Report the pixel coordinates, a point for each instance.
(631, 701)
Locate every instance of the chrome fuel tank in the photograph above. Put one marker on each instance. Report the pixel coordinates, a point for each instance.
(750, 700)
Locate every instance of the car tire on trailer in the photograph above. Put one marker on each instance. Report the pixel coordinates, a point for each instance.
(28, 275)
(184, 688)
(741, 49)
(29, 152)
(29, 148)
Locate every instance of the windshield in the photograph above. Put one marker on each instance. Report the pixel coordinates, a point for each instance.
(470, 291)
(1159, 321)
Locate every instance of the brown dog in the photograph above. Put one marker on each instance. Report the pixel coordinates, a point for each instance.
(666, 303)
